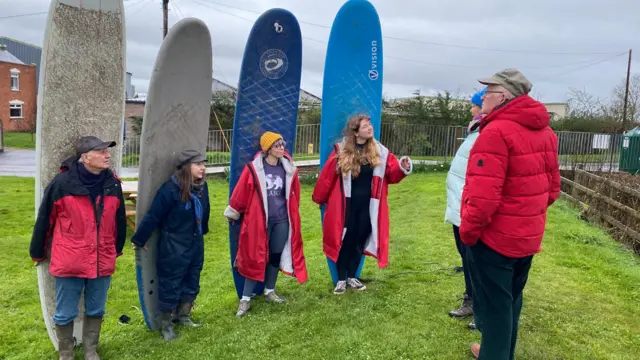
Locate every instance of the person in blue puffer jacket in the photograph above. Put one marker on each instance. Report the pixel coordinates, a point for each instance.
(455, 184)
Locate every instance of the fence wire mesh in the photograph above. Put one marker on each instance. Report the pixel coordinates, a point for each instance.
(430, 143)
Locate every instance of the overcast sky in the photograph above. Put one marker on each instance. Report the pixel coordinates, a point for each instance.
(557, 44)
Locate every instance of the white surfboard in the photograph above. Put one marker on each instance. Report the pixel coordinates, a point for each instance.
(176, 118)
(81, 92)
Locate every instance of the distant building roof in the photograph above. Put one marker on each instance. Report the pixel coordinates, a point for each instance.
(138, 98)
(6, 56)
(217, 85)
(307, 96)
(20, 42)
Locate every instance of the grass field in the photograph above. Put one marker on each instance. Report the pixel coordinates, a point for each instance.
(581, 302)
(19, 140)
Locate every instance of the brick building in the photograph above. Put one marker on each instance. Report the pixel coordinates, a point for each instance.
(132, 108)
(18, 93)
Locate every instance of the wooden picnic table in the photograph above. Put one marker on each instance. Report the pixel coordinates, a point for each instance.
(130, 194)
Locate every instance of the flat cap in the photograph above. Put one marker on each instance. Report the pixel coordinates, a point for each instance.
(510, 79)
(189, 156)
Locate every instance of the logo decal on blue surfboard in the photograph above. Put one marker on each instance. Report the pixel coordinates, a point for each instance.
(274, 64)
(373, 73)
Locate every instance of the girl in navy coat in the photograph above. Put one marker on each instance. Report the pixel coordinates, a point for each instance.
(181, 210)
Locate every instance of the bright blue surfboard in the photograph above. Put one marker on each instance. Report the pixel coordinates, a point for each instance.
(268, 97)
(352, 79)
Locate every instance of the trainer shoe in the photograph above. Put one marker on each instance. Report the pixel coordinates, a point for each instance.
(355, 284)
(465, 310)
(273, 297)
(243, 308)
(341, 287)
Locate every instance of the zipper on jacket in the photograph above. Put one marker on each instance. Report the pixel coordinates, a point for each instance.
(95, 216)
(98, 215)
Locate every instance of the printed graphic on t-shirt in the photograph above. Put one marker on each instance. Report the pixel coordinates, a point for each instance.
(275, 184)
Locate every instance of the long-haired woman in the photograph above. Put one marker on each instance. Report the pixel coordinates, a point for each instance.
(181, 210)
(353, 186)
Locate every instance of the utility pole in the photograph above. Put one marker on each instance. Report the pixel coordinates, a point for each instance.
(165, 11)
(626, 95)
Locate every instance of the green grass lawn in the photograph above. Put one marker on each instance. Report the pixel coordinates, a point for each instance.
(581, 302)
(19, 140)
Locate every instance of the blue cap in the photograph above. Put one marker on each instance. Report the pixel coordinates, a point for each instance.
(476, 99)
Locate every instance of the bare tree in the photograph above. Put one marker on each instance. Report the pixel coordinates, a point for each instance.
(581, 103)
(633, 104)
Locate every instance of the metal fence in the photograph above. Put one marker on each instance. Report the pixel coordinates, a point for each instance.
(588, 151)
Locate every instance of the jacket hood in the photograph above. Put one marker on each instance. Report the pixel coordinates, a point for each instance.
(523, 110)
(285, 155)
(69, 163)
(287, 162)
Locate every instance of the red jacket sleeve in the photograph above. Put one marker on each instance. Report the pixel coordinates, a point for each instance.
(394, 171)
(326, 181)
(554, 173)
(482, 194)
(240, 196)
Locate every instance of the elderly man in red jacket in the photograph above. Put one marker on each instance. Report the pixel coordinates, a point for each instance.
(81, 226)
(512, 178)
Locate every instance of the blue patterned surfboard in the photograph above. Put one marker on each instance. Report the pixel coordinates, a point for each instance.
(268, 97)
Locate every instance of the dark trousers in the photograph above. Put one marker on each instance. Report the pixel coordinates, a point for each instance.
(277, 235)
(180, 262)
(498, 282)
(355, 239)
(462, 250)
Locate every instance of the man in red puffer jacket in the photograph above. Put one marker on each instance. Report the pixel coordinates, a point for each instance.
(81, 227)
(512, 178)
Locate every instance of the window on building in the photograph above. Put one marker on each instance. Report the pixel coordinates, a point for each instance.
(15, 79)
(15, 109)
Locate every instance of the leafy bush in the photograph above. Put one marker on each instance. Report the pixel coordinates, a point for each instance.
(428, 168)
(588, 123)
(309, 178)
